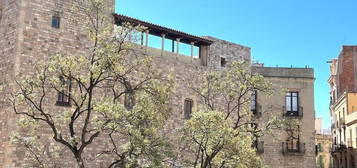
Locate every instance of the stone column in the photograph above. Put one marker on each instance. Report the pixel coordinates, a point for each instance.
(204, 50)
(162, 44)
(146, 40)
(177, 47)
(192, 45)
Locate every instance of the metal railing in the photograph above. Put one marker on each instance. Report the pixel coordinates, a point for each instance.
(338, 147)
(298, 113)
(299, 148)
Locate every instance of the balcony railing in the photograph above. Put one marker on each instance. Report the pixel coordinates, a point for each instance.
(259, 146)
(338, 147)
(298, 113)
(298, 148)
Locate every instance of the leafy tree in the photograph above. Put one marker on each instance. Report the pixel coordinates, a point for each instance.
(221, 130)
(109, 92)
(214, 143)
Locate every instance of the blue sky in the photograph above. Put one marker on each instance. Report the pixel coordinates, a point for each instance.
(279, 32)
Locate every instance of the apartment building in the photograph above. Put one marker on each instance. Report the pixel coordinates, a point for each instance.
(33, 30)
(343, 107)
(293, 98)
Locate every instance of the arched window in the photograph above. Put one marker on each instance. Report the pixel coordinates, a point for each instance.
(188, 104)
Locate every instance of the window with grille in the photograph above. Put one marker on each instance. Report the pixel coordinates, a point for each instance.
(293, 140)
(188, 104)
(64, 92)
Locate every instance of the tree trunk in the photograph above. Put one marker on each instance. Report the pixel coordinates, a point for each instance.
(80, 163)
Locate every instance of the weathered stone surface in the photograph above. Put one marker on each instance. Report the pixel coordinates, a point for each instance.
(26, 36)
(284, 80)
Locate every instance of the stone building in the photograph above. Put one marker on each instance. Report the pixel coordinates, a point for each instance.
(343, 107)
(323, 151)
(32, 30)
(293, 99)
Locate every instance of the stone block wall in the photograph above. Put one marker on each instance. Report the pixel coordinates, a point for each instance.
(227, 50)
(273, 106)
(8, 44)
(26, 36)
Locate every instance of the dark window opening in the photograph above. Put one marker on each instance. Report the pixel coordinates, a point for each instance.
(223, 62)
(55, 22)
(188, 108)
(292, 103)
(0, 13)
(64, 93)
(253, 103)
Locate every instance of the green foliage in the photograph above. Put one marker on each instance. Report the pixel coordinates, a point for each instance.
(115, 94)
(214, 143)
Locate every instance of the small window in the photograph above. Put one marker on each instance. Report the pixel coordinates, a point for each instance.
(223, 62)
(1, 12)
(55, 22)
(253, 102)
(64, 93)
(188, 108)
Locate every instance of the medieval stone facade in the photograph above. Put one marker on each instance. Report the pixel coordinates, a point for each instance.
(27, 35)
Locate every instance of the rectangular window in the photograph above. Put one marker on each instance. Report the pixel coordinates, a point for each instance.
(293, 141)
(1, 12)
(292, 103)
(253, 103)
(188, 108)
(55, 22)
(64, 94)
(223, 62)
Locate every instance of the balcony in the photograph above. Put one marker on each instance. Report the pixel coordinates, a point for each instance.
(298, 113)
(338, 147)
(298, 148)
(259, 146)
